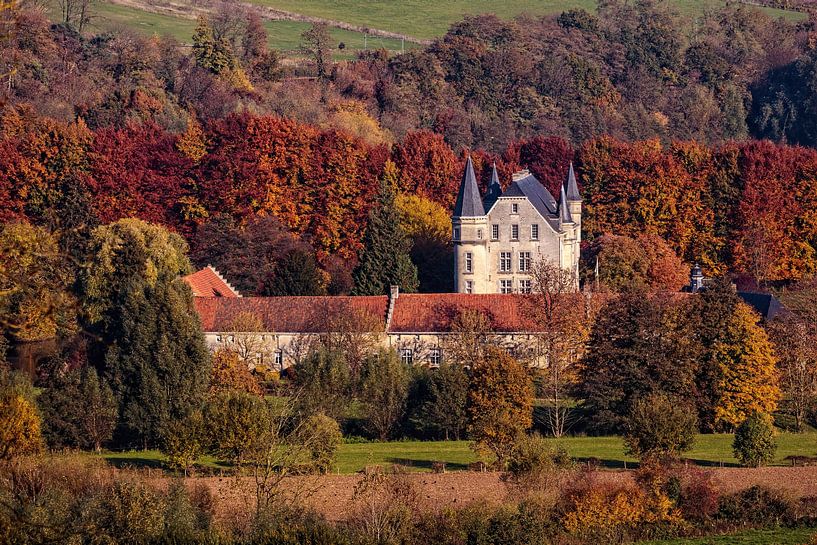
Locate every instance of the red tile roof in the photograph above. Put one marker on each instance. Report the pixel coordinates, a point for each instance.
(434, 312)
(209, 283)
(307, 314)
(413, 313)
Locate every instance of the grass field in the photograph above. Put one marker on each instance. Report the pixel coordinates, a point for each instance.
(431, 18)
(710, 450)
(779, 536)
(283, 35)
(418, 18)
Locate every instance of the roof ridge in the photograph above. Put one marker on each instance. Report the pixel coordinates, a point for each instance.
(218, 274)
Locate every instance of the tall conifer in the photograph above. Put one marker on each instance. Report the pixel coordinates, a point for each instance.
(385, 260)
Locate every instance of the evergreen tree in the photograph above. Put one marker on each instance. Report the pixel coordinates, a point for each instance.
(385, 260)
(151, 346)
(296, 274)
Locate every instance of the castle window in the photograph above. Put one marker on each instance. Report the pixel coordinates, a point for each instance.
(524, 261)
(524, 286)
(515, 232)
(456, 233)
(534, 231)
(494, 232)
(514, 208)
(407, 356)
(469, 286)
(435, 357)
(279, 359)
(469, 262)
(506, 286)
(504, 261)
(479, 234)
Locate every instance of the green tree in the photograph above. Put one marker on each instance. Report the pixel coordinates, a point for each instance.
(184, 441)
(151, 345)
(296, 273)
(385, 260)
(754, 443)
(640, 345)
(442, 407)
(323, 384)
(384, 392)
(235, 420)
(320, 437)
(211, 53)
(500, 404)
(659, 426)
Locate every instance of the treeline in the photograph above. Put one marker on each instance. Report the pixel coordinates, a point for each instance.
(275, 185)
(634, 71)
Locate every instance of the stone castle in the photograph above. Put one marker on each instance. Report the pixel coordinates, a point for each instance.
(498, 239)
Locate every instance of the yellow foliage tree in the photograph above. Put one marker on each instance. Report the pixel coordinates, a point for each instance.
(19, 419)
(192, 142)
(500, 403)
(230, 372)
(351, 116)
(748, 380)
(423, 218)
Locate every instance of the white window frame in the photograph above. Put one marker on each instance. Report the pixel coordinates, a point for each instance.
(407, 356)
(506, 286)
(534, 231)
(525, 285)
(524, 261)
(495, 232)
(469, 262)
(435, 357)
(515, 231)
(505, 261)
(514, 208)
(279, 359)
(456, 233)
(469, 286)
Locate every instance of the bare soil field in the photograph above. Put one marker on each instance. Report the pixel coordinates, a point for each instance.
(333, 495)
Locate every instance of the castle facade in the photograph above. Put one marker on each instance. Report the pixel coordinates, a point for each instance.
(498, 239)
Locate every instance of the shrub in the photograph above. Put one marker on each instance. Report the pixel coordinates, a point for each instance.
(533, 462)
(321, 437)
(754, 443)
(183, 441)
(659, 426)
(19, 419)
(756, 505)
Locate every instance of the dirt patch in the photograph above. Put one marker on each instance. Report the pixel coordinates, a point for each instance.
(332, 495)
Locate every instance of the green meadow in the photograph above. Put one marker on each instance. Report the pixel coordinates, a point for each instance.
(710, 450)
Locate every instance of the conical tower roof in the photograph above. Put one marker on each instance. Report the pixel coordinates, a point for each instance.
(564, 211)
(469, 203)
(494, 190)
(572, 186)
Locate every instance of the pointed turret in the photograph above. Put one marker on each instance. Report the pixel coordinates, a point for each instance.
(494, 190)
(469, 203)
(572, 187)
(564, 209)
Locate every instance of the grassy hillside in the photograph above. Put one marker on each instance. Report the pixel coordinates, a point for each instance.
(779, 536)
(431, 18)
(424, 19)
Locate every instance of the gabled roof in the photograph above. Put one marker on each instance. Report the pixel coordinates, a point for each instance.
(572, 187)
(538, 195)
(469, 203)
(209, 283)
(494, 190)
(304, 314)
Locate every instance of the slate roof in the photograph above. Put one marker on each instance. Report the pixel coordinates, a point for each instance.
(766, 304)
(572, 187)
(564, 211)
(305, 314)
(494, 190)
(209, 283)
(469, 203)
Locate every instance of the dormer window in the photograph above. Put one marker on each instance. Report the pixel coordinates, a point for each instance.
(514, 208)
